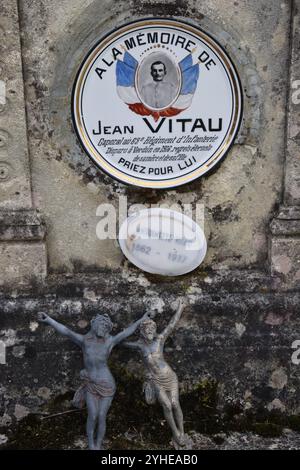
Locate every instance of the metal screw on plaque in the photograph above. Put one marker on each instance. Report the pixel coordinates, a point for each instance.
(98, 387)
(161, 381)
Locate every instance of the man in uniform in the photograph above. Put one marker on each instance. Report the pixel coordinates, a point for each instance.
(159, 93)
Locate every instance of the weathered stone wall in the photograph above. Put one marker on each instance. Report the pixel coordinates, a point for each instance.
(232, 349)
(239, 199)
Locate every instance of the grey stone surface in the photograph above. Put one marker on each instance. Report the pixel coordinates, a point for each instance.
(239, 198)
(22, 263)
(232, 352)
(285, 258)
(285, 228)
(22, 248)
(15, 190)
(221, 441)
(292, 174)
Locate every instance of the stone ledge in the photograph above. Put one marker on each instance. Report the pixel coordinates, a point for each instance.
(287, 222)
(22, 248)
(107, 282)
(22, 225)
(285, 245)
(285, 227)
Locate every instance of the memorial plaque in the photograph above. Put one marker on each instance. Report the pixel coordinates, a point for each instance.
(162, 241)
(157, 103)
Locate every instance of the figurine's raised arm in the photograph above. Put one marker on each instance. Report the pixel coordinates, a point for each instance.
(75, 337)
(128, 331)
(168, 330)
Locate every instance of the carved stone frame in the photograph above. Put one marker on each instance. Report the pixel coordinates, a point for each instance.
(285, 227)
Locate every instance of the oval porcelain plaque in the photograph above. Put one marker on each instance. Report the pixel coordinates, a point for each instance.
(157, 103)
(162, 241)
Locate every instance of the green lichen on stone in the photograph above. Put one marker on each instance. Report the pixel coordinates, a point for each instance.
(266, 429)
(294, 423)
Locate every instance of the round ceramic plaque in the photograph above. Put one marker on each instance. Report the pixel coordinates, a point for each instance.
(162, 241)
(157, 103)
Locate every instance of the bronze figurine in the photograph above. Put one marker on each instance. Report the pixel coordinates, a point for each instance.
(99, 386)
(161, 381)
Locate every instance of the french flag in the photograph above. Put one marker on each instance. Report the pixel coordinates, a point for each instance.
(125, 74)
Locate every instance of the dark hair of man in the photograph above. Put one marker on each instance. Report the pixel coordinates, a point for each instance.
(158, 62)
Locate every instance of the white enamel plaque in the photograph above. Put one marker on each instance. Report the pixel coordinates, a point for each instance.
(157, 103)
(162, 241)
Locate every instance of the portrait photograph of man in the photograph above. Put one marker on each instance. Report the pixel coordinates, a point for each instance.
(158, 81)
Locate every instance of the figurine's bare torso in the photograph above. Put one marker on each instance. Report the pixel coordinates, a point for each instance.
(154, 360)
(95, 355)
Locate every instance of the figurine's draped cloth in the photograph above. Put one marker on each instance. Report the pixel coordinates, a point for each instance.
(166, 381)
(101, 389)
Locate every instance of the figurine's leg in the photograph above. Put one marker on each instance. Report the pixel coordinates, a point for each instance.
(177, 410)
(92, 405)
(167, 409)
(104, 406)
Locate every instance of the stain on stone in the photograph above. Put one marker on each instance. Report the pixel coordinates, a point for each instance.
(59, 156)
(223, 213)
(44, 393)
(276, 404)
(278, 379)
(274, 320)
(176, 8)
(30, 352)
(264, 392)
(21, 411)
(240, 329)
(39, 88)
(18, 351)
